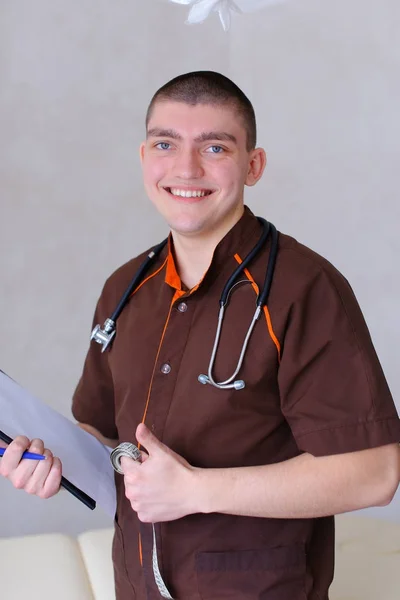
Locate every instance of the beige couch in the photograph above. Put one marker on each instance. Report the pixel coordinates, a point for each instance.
(58, 567)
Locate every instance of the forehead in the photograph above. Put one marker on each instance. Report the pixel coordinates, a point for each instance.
(190, 121)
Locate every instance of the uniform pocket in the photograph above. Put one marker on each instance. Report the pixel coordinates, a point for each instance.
(268, 574)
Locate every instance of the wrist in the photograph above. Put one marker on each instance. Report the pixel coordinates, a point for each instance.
(207, 490)
(200, 488)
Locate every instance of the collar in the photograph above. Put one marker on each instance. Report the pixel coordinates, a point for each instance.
(239, 239)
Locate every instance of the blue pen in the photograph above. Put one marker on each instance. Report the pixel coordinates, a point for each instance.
(30, 455)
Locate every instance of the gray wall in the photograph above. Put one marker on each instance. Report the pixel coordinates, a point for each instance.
(75, 80)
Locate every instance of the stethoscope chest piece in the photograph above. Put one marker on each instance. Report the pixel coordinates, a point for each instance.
(104, 335)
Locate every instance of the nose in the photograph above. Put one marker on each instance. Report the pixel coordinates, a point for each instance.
(188, 165)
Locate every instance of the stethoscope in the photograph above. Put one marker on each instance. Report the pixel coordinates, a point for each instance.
(105, 335)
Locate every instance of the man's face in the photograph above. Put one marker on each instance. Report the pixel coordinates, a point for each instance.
(195, 165)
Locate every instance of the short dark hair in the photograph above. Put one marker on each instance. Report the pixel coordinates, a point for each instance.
(209, 87)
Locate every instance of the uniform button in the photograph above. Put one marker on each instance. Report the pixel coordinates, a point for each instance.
(182, 307)
(166, 368)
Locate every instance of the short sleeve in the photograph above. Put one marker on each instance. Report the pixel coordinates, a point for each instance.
(333, 392)
(93, 400)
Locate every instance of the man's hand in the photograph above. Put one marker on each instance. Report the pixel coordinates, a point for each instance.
(162, 487)
(38, 477)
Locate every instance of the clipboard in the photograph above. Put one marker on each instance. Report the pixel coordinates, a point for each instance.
(89, 475)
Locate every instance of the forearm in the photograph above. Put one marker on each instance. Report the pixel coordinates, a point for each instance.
(98, 435)
(302, 487)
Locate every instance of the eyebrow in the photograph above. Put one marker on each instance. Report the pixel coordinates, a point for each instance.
(221, 136)
(158, 132)
(206, 136)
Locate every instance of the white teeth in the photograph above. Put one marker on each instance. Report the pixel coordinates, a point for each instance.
(188, 193)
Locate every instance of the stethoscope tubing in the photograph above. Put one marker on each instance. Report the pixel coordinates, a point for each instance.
(268, 228)
(242, 353)
(263, 298)
(239, 270)
(137, 279)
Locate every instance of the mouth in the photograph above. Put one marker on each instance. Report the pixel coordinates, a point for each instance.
(190, 194)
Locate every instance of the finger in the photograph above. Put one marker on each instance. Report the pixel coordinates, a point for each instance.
(145, 456)
(34, 483)
(22, 474)
(52, 482)
(128, 465)
(146, 438)
(37, 446)
(13, 454)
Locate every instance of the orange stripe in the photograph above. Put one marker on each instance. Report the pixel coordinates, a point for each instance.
(177, 295)
(272, 333)
(149, 277)
(140, 550)
(171, 274)
(265, 308)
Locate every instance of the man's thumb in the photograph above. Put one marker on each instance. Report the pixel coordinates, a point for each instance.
(148, 439)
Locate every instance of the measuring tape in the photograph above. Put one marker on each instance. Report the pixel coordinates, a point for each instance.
(131, 451)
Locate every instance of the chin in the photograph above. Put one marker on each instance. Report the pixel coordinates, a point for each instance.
(185, 226)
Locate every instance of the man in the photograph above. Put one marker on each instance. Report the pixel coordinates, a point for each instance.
(241, 484)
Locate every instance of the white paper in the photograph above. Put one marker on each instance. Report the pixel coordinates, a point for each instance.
(85, 461)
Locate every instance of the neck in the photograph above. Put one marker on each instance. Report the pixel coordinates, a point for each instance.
(193, 254)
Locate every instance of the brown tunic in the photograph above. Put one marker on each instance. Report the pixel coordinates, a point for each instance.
(313, 384)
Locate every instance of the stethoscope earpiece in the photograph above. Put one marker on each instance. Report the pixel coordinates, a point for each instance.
(239, 384)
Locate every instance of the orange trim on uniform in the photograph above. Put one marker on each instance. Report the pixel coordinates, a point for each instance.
(177, 295)
(172, 277)
(171, 274)
(265, 308)
(149, 277)
(140, 550)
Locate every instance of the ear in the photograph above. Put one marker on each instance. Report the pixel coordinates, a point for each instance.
(257, 164)
(141, 151)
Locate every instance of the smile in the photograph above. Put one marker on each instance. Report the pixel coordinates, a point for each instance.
(188, 193)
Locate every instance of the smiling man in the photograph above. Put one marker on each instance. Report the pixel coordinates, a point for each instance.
(241, 483)
(195, 171)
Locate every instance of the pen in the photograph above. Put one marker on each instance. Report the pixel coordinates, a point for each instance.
(70, 487)
(30, 455)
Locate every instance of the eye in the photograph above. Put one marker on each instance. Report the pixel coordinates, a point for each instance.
(163, 146)
(215, 149)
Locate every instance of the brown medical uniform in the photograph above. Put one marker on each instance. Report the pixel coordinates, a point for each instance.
(313, 384)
